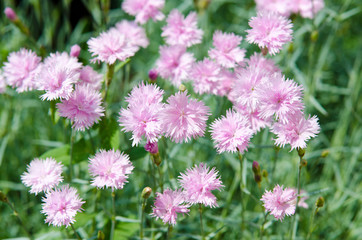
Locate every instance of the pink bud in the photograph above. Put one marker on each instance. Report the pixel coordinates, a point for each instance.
(152, 147)
(10, 14)
(152, 74)
(75, 50)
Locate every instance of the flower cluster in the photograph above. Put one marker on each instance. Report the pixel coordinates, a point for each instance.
(144, 9)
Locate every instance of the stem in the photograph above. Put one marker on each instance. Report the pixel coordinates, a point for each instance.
(312, 222)
(169, 232)
(75, 232)
(72, 138)
(201, 225)
(108, 80)
(18, 217)
(294, 229)
(161, 177)
(91, 140)
(241, 193)
(262, 226)
(113, 215)
(142, 217)
(276, 154)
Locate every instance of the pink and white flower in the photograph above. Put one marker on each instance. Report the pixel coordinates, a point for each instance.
(144, 9)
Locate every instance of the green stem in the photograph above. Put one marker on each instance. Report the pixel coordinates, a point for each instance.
(169, 231)
(276, 154)
(312, 222)
(113, 215)
(201, 224)
(161, 177)
(262, 226)
(108, 80)
(294, 229)
(142, 217)
(18, 217)
(75, 232)
(72, 138)
(242, 193)
(91, 140)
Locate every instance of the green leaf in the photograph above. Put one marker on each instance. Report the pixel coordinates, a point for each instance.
(136, 153)
(61, 154)
(126, 230)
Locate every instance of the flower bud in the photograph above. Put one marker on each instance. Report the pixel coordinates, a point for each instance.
(75, 50)
(10, 14)
(156, 159)
(301, 152)
(256, 167)
(264, 173)
(257, 178)
(151, 147)
(320, 202)
(3, 197)
(325, 153)
(303, 163)
(146, 192)
(100, 235)
(314, 36)
(152, 74)
(182, 88)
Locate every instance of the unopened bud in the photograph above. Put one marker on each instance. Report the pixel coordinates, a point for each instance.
(264, 51)
(146, 192)
(325, 153)
(3, 197)
(257, 178)
(303, 163)
(156, 159)
(152, 74)
(301, 152)
(10, 14)
(151, 147)
(264, 173)
(320, 202)
(100, 235)
(256, 167)
(182, 88)
(314, 36)
(75, 50)
(290, 48)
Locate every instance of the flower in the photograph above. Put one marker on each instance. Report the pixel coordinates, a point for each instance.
(87, 76)
(21, 68)
(296, 131)
(226, 51)
(204, 75)
(231, 133)
(42, 175)
(303, 196)
(282, 7)
(180, 30)
(110, 169)
(10, 14)
(174, 63)
(110, 46)
(308, 8)
(134, 34)
(57, 75)
(198, 182)
(279, 202)
(270, 30)
(61, 205)
(280, 97)
(168, 204)
(253, 116)
(225, 83)
(258, 62)
(184, 118)
(83, 108)
(151, 147)
(75, 50)
(141, 117)
(144, 9)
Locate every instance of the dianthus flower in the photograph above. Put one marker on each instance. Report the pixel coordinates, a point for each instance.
(270, 31)
(75, 50)
(307, 8)
(204, 75)
(257, 61)
(174, 63)
(282, 7)
(303, 196)
(225, 83)
(180, 30)
(83, 108)
(57, 75)
(144, 9)
(87, 76)
(296, 131)
(20, 70)
(42, 175)
(134, 34)
(168, 204)
(110, 169)
(141, 117)
(198, 182)
(280, 97)
(61, 205)
(226, 51)
(184, 118)
(253, 117)
(231, 133)
(279, 202)
(110, 46)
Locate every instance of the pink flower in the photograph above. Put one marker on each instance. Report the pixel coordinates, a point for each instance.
(270, 30)
(184, 118)
(231, 133)
(226, 51)
(308, 8)
(42, 175)
(180, 30)
(57, 75)
(110, 169)
(282, 7)
(198, 182)
(2, 82)
(253, 115)
(141, 117)
(10, 14)
(225, 83)
(61, 205)
(279, 202)
(87, 76)
(151, 147)
(75, 50)
(296, 131)
(303, 196)
(83, 107)
(21, 69)
(144, 9)
(257, 61)
(133, 33)
(174, 63)
(168, 204)
(110, 46)
(280, 97)
(204, 75)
